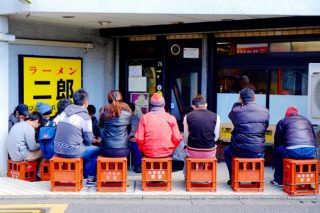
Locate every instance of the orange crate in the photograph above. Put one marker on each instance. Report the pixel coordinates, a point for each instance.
(301, 177)
(45, 170)
(156, 174)
(24, 170)
(66, 174)
(111, 174)
(201, 174)
(247, 174)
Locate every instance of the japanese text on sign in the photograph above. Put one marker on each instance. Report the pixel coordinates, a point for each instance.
(49, 79)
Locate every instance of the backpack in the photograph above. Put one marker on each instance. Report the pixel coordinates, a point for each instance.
(46, 140)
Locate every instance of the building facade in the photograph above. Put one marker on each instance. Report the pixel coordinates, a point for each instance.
(179, 49)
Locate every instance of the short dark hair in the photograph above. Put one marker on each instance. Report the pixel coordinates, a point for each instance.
(247, 95)
(79, 97)
(198, 100)
(35, 116)
(91, 109)
(62, 104)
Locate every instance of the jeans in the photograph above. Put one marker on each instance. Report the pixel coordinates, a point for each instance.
(282, 152)
(229, 153)
(136, 153)
(90, 160)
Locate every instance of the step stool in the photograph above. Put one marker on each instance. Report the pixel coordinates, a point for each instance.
(201, 174)
(45, 170)
(66, 174)
(111, 174)
(156, 174)
(247, 175)
(23, 170)
(300, 177)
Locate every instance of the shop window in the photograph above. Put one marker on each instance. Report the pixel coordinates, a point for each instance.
(306, 46)
(230, 80)
(289, 81)
(226, 49)
(280, 47)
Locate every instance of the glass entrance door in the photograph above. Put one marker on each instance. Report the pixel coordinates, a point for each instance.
(184, 66)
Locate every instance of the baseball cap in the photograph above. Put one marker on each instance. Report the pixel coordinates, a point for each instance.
(23, 109)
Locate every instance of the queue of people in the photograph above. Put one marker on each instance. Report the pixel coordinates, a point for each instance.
(122, 129)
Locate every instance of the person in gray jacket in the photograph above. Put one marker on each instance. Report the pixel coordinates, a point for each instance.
(20, 113)
(21, 143)
(74, 135)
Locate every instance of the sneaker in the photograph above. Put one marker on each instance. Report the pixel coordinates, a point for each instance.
(273, 182)
(137, 169)
(229, 182)
(90, 182)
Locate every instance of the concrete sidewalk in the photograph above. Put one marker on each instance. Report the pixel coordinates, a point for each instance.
(13, 188)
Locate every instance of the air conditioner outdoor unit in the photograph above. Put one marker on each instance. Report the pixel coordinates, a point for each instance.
(314, 92)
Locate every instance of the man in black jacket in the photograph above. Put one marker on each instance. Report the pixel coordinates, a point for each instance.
(250, 123)
(294, 138)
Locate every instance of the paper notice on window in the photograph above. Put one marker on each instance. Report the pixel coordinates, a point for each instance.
(137, 84)
(135, 71)
(190, 52)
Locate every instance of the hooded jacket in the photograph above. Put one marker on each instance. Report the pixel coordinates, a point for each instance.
(74, 131)
(158, 133)
(250, 123)
(294, 130)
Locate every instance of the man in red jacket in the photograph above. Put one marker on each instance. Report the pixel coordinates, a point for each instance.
(158, 134)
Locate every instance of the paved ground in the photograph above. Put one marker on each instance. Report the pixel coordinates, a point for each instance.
(13, 189)
(161, 205)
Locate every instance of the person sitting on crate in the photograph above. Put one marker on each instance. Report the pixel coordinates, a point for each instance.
(294, 138)
(134, 149)
(250, 123)
(114, 121)
(74, 135)
(201, 130)
(47, 132)
(21, 142)
(158, 134)
(19, 114)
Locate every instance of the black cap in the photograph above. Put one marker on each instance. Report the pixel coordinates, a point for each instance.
(23, 109)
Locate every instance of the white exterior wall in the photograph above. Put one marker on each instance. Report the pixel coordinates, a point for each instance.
(97, 62)
(223, 7)
(4, 73)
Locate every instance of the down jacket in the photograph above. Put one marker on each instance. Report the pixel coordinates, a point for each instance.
(250, 123)
(294, 130)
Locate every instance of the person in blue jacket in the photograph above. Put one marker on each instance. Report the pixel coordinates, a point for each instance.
(250, 122)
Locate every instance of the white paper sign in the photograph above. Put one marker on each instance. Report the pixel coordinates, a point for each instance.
(137, 84)
(190, 52)
(135, 71)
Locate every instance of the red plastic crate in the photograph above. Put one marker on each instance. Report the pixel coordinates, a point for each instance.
(301, 177)
(45, 170)
(23, 170)
(247, 174)
(156, 174)
(201, 174)
(66, 174)
(111, 174)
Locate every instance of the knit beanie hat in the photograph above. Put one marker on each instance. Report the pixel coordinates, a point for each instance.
(43, 108)
(247, 95)
(291, 111)
(157, 100)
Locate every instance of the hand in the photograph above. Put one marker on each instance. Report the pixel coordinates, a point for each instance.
(98, 140)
